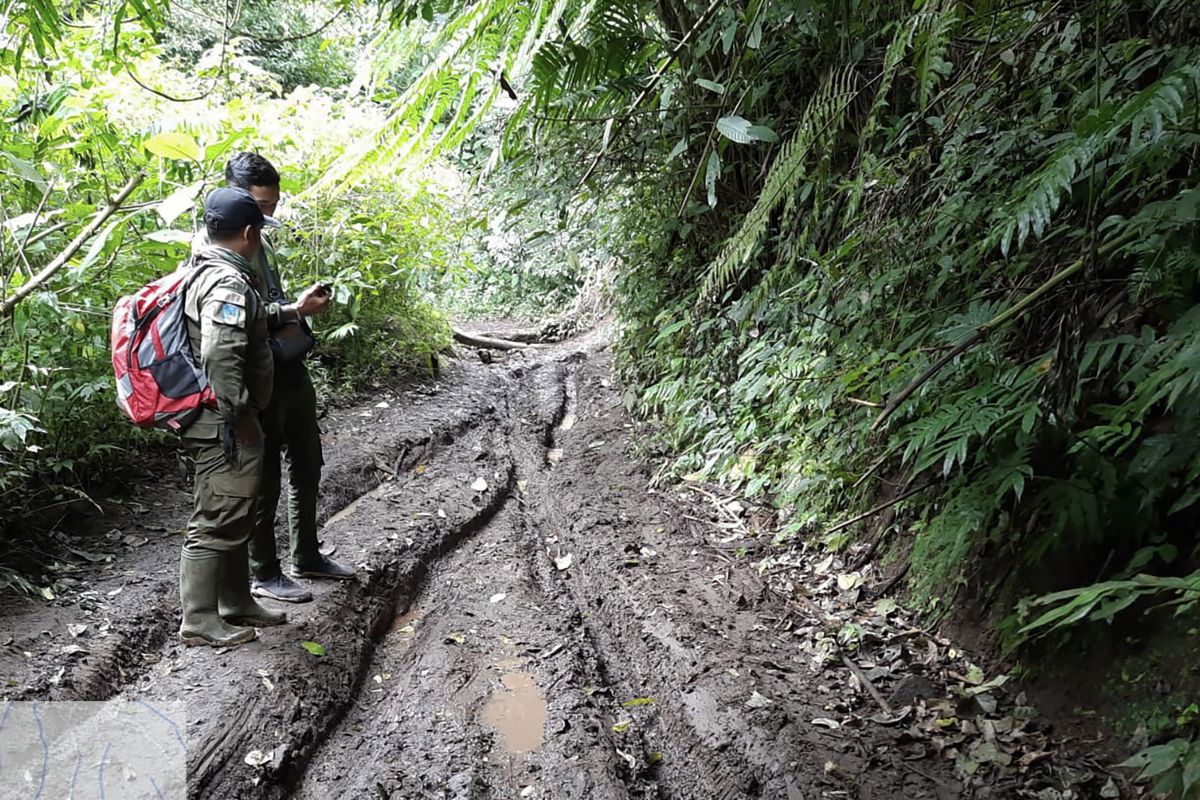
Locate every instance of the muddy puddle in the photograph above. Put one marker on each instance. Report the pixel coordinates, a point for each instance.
(517, 711)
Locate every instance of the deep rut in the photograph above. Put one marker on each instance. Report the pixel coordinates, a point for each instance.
(486, 684)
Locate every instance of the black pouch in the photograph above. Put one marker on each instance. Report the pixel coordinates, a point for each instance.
(292, 341)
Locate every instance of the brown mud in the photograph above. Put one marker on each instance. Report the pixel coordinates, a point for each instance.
(531, 619)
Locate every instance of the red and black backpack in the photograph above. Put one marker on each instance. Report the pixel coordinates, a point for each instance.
(160, 383)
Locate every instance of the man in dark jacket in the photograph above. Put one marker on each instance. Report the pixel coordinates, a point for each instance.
(290, 421)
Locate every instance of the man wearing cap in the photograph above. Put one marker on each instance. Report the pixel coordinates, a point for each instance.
(227, 325)
(290, 421)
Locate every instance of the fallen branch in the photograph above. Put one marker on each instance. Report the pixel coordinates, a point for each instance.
(71, 249)
(524, 335)
(865, 682)
(892, 581)
(980, 333)
(868, 555)
(486, 341)
(871, 469)
(878, 508)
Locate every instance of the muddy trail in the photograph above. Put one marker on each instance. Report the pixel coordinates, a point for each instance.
(531, 620)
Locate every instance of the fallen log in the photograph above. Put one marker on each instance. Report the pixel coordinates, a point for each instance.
(523, 335)
(488, 342)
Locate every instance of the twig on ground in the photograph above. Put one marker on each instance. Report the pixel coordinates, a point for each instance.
(924, 775)
(891, 584)
(869, 555)
(865, 682)
(871, 469)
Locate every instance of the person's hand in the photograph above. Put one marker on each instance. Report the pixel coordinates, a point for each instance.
(248, 433)
(315, 300)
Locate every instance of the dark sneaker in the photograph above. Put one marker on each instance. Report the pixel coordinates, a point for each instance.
(325, 568)
(281, 587)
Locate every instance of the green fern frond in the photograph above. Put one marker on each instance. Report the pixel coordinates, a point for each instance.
(1144, 116)
(901, 41)
(931, 48)
(459, 37)
(826, 111)
(486, 34)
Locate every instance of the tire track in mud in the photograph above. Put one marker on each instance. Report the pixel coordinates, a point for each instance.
(663, 627)
(289, 704)
(484, 662)
(299, 698)
(624, 706)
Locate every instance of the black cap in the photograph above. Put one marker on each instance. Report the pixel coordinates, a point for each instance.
(233, 209)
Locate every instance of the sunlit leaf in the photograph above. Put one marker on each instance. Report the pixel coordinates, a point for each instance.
(173, 145)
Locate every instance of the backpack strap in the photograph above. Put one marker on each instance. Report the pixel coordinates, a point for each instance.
(197, 269)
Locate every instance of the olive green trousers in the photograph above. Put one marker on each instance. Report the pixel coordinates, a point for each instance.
(289, 428)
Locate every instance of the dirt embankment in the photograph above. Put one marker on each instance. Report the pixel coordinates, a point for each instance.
(531, 620)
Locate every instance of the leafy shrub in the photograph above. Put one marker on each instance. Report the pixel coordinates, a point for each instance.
(71, 140)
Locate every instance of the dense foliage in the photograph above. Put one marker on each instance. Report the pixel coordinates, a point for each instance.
(933, 254)
(71, 140)
(871, 247)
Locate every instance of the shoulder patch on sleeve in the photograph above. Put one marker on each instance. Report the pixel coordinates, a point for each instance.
(226, 313)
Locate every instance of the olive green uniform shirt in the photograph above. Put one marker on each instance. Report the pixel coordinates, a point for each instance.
(270, 288)
(227, 324)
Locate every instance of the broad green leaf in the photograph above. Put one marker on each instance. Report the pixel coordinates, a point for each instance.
(712, 86)
(735, 129)
(98, 243)
(754, 40)
(727, 36)
(763, 133)
(314, 648)
(26, 170)
(176, 146)
(740, 130)
(1160, 758)
(1191, 769)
